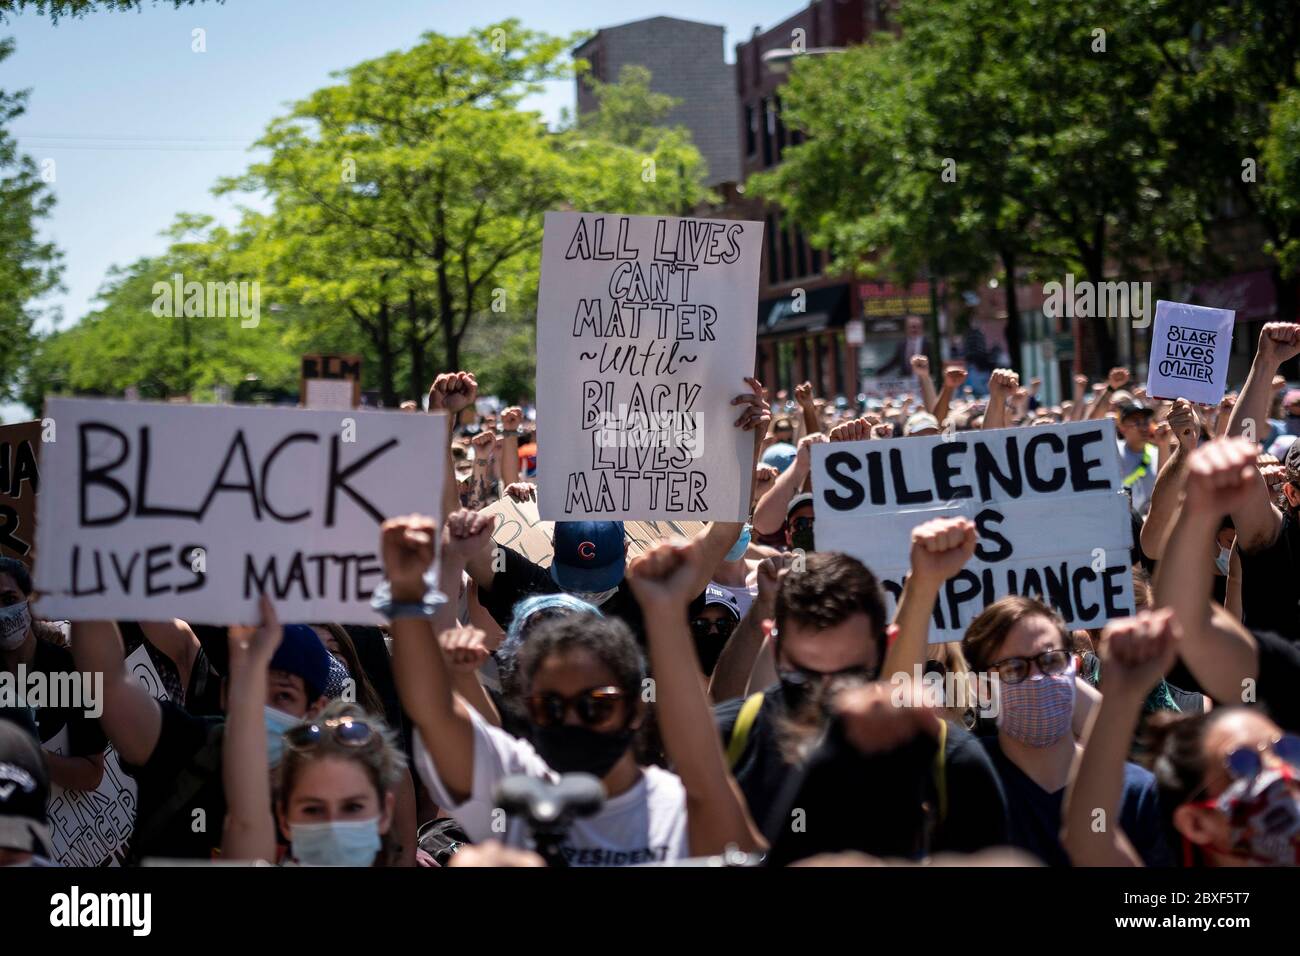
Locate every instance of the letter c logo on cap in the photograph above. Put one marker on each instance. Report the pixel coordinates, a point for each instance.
(586, 550)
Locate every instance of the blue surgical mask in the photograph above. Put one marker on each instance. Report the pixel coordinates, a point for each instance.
(741, 546)
(277, 722)
(1223, 561)
(338, 843)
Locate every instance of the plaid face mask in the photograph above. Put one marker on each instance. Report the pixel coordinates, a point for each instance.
(1038, 710)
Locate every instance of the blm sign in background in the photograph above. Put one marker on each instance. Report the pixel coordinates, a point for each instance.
(1046, 501)
(156, 511)
(645, 332)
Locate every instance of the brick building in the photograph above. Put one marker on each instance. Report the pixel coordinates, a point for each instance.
(686, 60)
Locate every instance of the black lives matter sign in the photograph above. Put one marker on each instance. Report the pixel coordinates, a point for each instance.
(645, 333)
(1190, 345)
(155, 511)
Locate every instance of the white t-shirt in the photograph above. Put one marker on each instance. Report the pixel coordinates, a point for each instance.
(647, 824)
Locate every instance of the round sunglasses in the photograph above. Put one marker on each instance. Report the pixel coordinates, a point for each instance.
(348, 731)
(593, 706)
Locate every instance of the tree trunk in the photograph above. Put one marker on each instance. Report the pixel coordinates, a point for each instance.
(387, 388)
(415, 345)
(1013, 309)
(1103, 342)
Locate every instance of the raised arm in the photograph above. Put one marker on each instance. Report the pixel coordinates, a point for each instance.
(940, 548)
(249, 832)
(1079, 406)
(1168, 491)
(132, 719)
(1136, 653)
(1219, 652)
(769, 513)
(716, 814)
(736, 662)
(803, 394)
(451, 392)
(511, 419)
(424, 681)
(1278, 342)
(921, 369)
(954, 377)
(1002, 385)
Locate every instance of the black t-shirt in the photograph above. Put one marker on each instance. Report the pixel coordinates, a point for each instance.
(1268, 583)
(1036, 814)
(85, 738)
(976, 808)
(1277, 687)
(522, 578)
(185, 761)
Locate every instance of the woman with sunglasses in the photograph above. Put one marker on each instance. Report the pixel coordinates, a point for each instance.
(1229, 780)
(1022, 643)
(334, 788)
(583, 682)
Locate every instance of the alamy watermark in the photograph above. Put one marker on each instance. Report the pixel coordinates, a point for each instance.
(212, 300)
(1087, 300)
(66, 690)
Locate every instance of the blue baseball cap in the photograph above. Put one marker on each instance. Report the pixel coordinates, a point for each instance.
(780, 455)
(588, 555)
(303, 653)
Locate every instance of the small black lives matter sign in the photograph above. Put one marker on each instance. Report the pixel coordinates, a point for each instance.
(645, 333)
(151, 511)
(1190, 345)
(1046, 502)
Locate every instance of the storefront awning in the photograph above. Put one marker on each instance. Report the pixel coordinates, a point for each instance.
(822, 308)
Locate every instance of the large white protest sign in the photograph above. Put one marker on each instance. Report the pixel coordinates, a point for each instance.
(645, 333)
(1046, 502)
(93, 827)
(1189, 352)
(158, 511)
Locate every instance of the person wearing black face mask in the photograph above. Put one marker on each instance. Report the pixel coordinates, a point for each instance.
(582, 681)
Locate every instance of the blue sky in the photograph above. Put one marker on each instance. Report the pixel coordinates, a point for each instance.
(139, 126)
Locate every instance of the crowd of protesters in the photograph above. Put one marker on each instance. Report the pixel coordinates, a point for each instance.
(736, 694)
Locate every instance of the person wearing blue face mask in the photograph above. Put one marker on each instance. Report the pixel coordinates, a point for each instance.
(335, 780)
(174, 756)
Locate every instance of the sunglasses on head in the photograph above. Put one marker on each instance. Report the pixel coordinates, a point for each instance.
(348, 731)
(1012, 670)
(704, 627)
(593, 707)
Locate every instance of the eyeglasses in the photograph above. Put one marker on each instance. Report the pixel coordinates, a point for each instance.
(1013, 670)
(704, 627)
(593, 707)
(348, 731)
(1246, 762)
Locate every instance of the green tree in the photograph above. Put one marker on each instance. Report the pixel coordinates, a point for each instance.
(143, 336)
(79, 8)
(29, 267)
(989, 130)
(409, 197)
